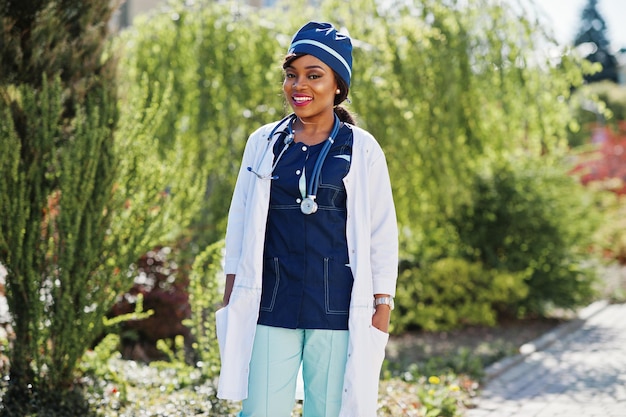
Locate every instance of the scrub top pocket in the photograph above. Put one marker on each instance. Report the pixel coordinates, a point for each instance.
(271, 283)
(337, 286)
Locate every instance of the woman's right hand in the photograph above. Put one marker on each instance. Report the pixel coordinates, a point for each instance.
(228, 289)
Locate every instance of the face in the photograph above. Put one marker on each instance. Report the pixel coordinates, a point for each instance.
(310, 87)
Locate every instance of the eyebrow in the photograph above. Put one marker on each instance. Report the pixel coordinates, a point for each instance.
(309, 67)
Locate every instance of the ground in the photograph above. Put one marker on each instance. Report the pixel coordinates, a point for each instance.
(493, 343)
(484, 342)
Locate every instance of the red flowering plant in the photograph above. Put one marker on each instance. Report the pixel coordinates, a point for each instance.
(164, 291)
(604, 168)
(605, 164)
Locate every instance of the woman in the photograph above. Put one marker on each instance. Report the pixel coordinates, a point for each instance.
(311, 249)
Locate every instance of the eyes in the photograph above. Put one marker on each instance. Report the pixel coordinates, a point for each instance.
(312, 76)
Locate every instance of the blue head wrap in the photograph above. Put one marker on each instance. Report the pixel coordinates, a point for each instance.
(326, 44)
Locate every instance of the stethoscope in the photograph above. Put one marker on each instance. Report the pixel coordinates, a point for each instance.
(288, 140)
(308, 204)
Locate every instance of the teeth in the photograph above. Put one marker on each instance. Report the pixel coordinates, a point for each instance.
(302, 99)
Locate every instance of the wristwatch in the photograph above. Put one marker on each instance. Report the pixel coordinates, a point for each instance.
(384, 300)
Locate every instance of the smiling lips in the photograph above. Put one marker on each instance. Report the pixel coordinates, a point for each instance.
(299, 100)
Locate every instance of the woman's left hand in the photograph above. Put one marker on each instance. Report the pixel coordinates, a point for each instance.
(381, 316)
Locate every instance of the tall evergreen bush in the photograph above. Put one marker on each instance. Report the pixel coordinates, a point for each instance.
(58, 114)
(593, 33)
(79, 201)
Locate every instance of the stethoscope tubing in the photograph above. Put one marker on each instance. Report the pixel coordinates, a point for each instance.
(288, 140)
(313, 185)
(317, 168)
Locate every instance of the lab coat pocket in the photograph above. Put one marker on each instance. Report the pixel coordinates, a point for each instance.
(365, 359)
(379, 342)
(221, 322)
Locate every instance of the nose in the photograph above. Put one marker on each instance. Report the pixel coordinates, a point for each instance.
(296, 83)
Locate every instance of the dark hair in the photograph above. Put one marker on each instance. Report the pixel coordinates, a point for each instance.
(342, 112)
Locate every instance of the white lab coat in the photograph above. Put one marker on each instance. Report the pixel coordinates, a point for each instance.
(373, 252)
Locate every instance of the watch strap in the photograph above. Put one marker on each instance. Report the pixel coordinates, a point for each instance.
(387, 300)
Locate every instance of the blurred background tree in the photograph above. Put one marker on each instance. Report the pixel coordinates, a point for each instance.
(601, 101)
(592, 36)
(597, 133)
(464, 97)
(452, 103)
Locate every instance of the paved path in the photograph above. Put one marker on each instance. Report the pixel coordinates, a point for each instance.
(582, 374)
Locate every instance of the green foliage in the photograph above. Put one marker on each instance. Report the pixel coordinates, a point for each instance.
(463, 361)
(446, 95)
(55, 185)
(53, 218)
(55, 37)
(204, 300)
(435, 399)
(80, 200)
(138, 314)
(610, 238)
(593, 32)
(32, 403)
(155, 188)
(222, 62)
(449, 90)
(425, 396)
(452, 292)
(529, 218)
(614, 96)
(595, 105)
(97, 372)
(118, 388)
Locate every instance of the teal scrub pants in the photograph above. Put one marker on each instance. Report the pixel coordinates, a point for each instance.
(276, 357)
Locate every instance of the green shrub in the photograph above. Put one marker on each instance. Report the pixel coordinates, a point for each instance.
(430, 395)
(613, 234)
(83, 190)
(596, 104)
(529, 218)
(454, 292)
(205, 299)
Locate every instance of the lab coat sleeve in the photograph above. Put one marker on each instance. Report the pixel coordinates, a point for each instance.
(236, 213)
(384, 227)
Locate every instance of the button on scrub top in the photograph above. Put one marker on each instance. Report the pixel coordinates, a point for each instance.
(307, 280)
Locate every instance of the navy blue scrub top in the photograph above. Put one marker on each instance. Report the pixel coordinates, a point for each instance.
(307, 280)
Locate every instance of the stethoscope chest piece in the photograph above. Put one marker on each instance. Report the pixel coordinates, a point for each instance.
(308, 206)
(308, 191)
